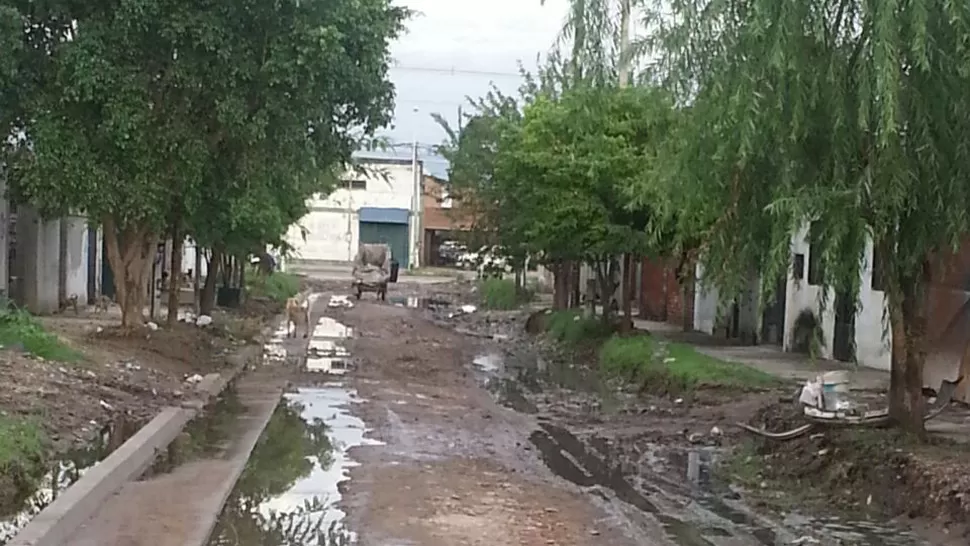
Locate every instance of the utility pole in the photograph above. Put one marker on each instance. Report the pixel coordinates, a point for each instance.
(416, 202)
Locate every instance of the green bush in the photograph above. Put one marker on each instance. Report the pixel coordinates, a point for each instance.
(572, 327)
(20, 327)
(674, 366)
(498, 294)
(276, 286)
(22, 444)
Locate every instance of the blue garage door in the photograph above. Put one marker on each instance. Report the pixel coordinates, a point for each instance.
(388, 226)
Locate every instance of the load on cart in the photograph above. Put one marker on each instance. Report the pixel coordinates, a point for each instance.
(373, 269)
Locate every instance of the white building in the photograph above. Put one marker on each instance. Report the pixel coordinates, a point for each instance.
(377, 205)
(848, 333)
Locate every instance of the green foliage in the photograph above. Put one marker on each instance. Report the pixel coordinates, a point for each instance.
(502, 294)
(674, 367)
(564, 168)
(574, 328)
(848, 113)
(22, 445)
(277, 286)
(18, 327)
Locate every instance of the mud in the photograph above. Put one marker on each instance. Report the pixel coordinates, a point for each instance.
(481, 434)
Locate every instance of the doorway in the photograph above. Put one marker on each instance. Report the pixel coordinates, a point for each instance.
(843, 338)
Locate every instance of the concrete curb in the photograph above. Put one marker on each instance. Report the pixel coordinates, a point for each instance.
(247, 446)
(54, 524)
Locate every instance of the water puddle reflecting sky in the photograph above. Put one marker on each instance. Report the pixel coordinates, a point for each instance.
(325, 353)
(288, 494)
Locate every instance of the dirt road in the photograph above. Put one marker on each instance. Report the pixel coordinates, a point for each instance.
(469, 449)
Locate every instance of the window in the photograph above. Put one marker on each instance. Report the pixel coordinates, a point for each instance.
(816, 271)
(798, 267)
(357, 184)
(878, 281)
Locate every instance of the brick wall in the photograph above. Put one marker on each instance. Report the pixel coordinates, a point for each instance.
(662, 298)
(435, 216)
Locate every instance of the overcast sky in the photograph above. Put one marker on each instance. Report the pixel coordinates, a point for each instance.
(455, 48)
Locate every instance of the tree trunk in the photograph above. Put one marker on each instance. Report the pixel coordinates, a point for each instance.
(207, 299)
(626, 292)
(174, 276)
(196, 294)
(130, 251)
(908, 320)
(604, 275)
(560, 288)
(243, 263)
(575, 276)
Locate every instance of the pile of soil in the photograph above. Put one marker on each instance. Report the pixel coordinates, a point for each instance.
(880, 472)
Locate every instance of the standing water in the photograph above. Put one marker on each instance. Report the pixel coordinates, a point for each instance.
(289, 492)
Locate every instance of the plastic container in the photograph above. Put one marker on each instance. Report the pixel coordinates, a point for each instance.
(834, 386)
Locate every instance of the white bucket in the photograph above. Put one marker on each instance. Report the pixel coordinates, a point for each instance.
(834, 385)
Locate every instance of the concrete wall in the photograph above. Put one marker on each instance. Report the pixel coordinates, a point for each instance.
(38, 258)
(706, 301)
(332, 225)
(73, 268)
(872, 339)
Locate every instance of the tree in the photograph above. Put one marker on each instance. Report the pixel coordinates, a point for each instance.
(563, 171)
(848, 113)
(132, 105)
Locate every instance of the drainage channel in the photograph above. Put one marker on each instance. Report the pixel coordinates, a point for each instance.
(65, 472)
(691, 512)
(289, 492)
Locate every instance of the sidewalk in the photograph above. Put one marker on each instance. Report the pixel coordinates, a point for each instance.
(768, 358)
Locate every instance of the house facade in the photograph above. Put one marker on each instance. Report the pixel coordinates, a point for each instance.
(443, 218)
(373, 204)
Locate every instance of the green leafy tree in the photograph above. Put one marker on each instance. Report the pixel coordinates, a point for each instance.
(847, 113)
(136, 113)
(563, 171)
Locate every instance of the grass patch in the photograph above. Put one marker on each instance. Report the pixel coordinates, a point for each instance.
(675, 366)
(277, 286)
(573, 327)
(22, 444)
(18, 327)
(501, 294)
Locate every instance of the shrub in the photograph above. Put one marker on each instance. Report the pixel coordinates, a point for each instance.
(501, 294)
(277, 286)
(17, 326)
(573, 327)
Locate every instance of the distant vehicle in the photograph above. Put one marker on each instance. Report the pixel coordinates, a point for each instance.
(489, 261)
(450, 251)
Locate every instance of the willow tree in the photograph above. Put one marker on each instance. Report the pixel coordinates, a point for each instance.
(851, 114)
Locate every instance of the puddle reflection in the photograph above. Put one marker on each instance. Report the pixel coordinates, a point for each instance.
(324, 353)
(63, 473)
(288, 493)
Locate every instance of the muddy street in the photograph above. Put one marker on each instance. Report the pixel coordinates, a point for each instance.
(414, 421)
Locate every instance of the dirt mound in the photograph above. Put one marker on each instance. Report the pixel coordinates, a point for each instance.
(875, 471)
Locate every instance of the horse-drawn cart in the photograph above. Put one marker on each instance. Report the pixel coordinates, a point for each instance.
(372, 270)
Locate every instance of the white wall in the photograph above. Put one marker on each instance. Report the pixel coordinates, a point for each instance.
(872, 350)
(333, 229)
(706, 299)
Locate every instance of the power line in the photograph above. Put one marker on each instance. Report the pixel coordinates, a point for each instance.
(456, 71)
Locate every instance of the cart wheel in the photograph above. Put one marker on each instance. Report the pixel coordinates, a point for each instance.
(383, 295)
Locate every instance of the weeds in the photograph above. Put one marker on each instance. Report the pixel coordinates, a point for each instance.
(501, 294)
(674, 366)
(277, 286)
(572, 328)
(18, 327)
(22, 444)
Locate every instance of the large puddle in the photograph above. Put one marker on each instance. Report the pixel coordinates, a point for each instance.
(288, 493)
(692, 510)
(63, 473)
